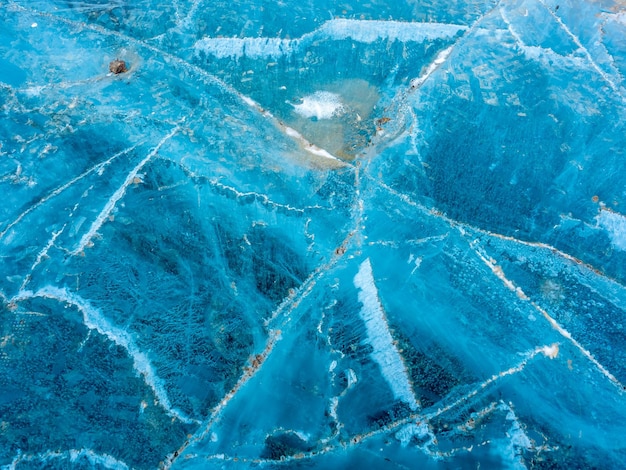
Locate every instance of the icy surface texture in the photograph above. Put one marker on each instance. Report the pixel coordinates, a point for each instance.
(312, 234)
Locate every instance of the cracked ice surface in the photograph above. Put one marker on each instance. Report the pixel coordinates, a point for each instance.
(330, 234)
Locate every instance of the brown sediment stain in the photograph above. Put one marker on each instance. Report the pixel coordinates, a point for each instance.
(117, 66)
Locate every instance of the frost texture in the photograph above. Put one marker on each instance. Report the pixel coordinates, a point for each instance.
(320, 233)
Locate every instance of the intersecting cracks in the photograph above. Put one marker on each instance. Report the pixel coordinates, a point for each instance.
(417, 418)
(616, 89)
(98, 168)
(399, 106)
(244, 197)
(499, 273)
(575, 58)
(204, 75)
(286, 312)
(466, 230)
(279, 323)
(86, 239)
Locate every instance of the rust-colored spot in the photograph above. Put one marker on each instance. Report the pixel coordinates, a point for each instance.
(117, 66)
(595, 199)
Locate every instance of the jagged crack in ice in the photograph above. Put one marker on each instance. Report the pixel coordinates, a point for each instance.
(95, 320)
(499, 273)
(385, 353)
(42, 254)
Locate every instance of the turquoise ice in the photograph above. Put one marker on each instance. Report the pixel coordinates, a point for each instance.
(318, 234)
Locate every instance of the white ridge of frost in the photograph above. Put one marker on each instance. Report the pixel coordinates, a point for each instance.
(518, 440)
(385, 353)
(95, 320)
(363, 31)
(308, 146)
(615, 225)
(250, 47)
(73, 455)
(119, 194)
(413, 430)
(434, 65)
(321, 105)
(368, 31)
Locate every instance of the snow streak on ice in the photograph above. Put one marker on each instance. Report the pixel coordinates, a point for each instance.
(385, 353)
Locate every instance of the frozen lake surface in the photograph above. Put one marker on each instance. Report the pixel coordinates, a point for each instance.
(312, 234)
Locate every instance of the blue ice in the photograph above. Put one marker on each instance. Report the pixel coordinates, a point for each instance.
(312, 233)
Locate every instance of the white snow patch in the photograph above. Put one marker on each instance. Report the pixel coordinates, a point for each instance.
(385, 353)
(406, 433)
(517, 440)
(321, 105)
(105, 460)
(615, 224)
